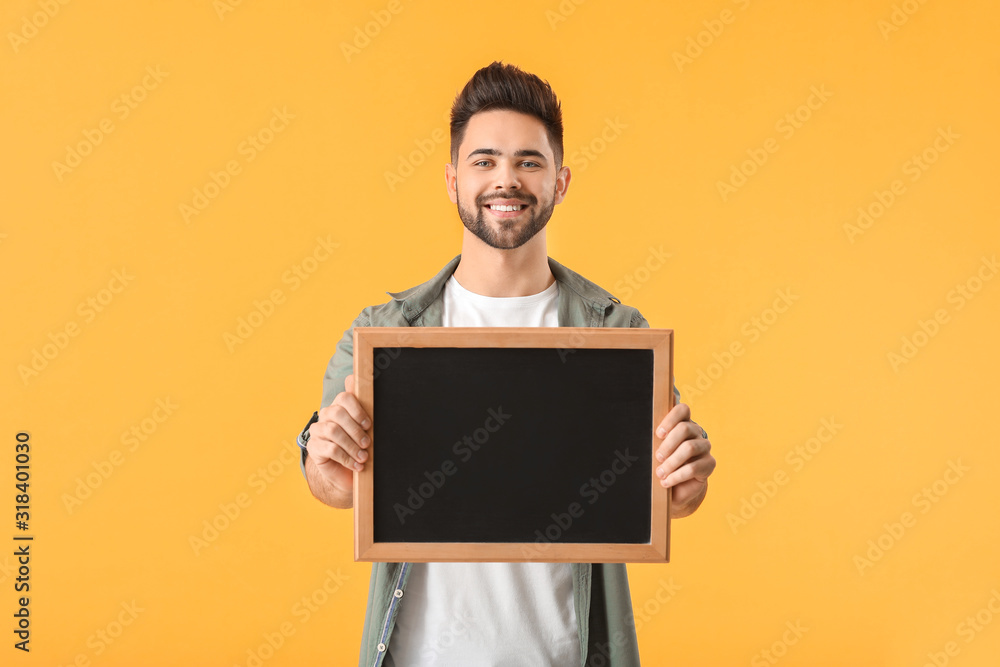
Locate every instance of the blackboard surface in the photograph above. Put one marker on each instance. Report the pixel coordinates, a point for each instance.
(504, 445)
(512, 444)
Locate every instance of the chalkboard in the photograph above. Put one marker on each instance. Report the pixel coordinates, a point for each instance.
(512, 444)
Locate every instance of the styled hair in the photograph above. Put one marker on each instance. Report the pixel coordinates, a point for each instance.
(499, 86)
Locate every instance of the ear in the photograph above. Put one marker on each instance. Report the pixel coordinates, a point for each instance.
(563, 177)
(451, 182)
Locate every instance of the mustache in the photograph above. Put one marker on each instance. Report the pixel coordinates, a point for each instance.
(528, 199)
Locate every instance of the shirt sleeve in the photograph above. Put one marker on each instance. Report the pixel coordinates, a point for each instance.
(341, 365)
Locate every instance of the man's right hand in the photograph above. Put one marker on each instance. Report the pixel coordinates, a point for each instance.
(337, 447)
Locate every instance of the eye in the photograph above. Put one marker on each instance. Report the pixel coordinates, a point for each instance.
(476, 164)
(529, 164)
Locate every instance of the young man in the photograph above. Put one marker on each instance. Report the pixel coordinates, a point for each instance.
(506, 176)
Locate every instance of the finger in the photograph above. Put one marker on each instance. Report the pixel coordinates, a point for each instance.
(347, 411)
(678, 434)
(686, 451)
(347, 399)
(340, 440)
(680, 412)
(699, 469)
(326, 453)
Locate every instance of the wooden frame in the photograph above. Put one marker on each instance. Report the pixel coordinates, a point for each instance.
(562, 339)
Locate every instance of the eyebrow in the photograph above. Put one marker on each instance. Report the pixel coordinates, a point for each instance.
(523, 152)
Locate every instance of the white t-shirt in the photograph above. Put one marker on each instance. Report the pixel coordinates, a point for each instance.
(488, 614)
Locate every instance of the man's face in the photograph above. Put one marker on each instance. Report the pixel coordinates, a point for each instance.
(505, 161)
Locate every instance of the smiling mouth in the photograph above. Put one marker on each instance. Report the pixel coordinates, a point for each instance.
(501, 208)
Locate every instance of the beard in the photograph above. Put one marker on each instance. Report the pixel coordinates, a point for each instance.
(506, 234)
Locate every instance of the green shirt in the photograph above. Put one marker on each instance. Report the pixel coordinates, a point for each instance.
(601, 596)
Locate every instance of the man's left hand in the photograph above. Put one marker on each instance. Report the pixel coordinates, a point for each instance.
(685, 460)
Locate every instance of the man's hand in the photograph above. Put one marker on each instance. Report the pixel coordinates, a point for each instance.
(338, 447)
(685, 460)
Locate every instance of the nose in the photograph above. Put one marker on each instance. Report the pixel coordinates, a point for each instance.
(506, 177)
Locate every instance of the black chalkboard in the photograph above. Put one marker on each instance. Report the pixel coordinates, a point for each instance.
(538, 447)
(516, 431)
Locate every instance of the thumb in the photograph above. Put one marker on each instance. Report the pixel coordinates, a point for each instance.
(349, 384)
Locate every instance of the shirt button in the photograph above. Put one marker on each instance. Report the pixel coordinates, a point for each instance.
(381, 647)
(398, 593)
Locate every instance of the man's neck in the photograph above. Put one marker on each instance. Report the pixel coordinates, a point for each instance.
(503, 273)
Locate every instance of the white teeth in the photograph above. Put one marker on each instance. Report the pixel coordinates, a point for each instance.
(497, 207)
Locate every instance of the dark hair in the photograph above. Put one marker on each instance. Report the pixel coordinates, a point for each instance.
(499, 86)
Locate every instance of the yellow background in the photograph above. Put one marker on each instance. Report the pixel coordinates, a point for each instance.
(652, 183)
